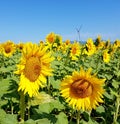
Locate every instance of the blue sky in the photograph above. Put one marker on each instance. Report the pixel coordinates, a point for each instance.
(32, 20)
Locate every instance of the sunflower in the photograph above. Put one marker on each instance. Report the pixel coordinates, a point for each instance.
(20, 46)
(75, 51)
(50, 38)
(91, 48)
(0, 48)
(106, 56)
(33, 68)
(115, 46)
(8, 48)
(67, 42)
(101, 45)
(82, 90)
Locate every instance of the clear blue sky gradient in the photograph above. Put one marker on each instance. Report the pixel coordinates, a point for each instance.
(32, 20)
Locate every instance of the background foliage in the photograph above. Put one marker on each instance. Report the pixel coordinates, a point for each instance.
(51, 107)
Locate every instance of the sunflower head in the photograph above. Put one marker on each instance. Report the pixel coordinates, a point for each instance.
(98, 40)
(20, 46)
(101, 45)
(82, 90)
(33, 68)
(91, 48)
(58, 40)
(8, 48)
(75, 50)
(50, 38)
(67, 42)
(106, 56)
(0, 48)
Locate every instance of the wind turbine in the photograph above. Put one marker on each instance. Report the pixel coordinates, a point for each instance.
(78, 32)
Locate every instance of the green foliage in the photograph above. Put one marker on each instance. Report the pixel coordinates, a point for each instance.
(49, 107)
(7, 118)
(61, 118)
(41, 98)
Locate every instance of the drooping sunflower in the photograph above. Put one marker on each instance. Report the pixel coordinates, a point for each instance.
(115, 46)
(8, 48)
(82, 90)
(101, 45)
(33, 68)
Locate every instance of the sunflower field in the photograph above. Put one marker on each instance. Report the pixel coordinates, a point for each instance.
(56, 82)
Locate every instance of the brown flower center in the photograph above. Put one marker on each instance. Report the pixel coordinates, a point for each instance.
(74, 50)
(32, 69)
(81, 88)
(51, 39)
(21, 47)
(7, 49)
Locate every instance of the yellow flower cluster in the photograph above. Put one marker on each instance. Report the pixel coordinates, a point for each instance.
(82, 89)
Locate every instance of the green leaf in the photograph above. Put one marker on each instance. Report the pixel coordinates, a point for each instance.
(58, 105)
(61, 118)
(72, 122)
(2, 114)
(117, 73)
(48, 107)
(3, 69)
(69, 69)
(4, 84)
(41, 98)
(91, 121)
(3, 102)
(83, 122)
(9, 119)
(43, 121)
(8, 90)
(100, 109)
(113, 92)
(30, 121)
(54, 83)
(45, 108)
(115, 84)
(109, 96)
(86, 116)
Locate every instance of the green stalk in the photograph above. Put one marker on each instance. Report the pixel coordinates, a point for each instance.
(11, 105)
(82, 58)
(82, 49)
(78, 117)
(48, 85)
(28, 113)
(28, 107)
(117, 110)
(22, 106)
(67, 57)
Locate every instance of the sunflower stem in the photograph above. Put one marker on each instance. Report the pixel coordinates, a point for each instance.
(78, 117)
(81, 53)
(48, 85)
(67, 57)
(117, 110)
(22, 106)
(11, 105)
(28, 113)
